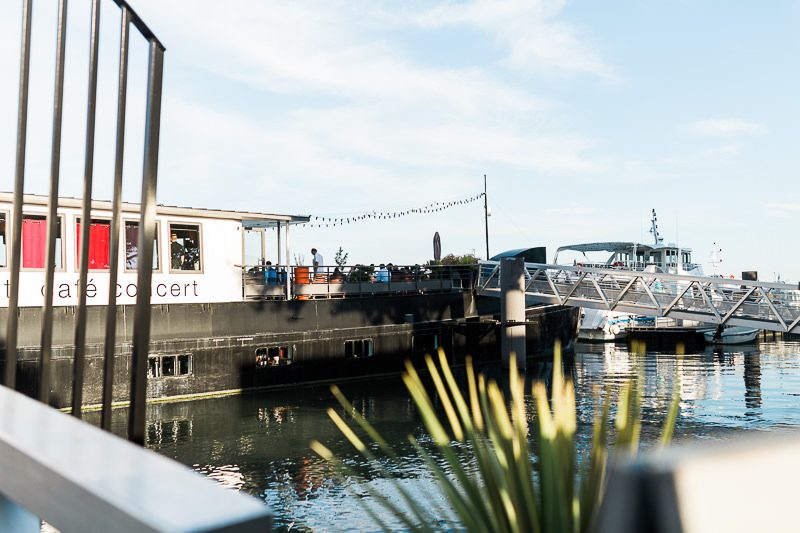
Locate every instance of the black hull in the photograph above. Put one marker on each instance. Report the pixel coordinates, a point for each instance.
(223, 340)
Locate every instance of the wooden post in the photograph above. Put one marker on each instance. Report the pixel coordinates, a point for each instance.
(512, 311)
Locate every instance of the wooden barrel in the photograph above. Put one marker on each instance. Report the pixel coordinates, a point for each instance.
(302, 275)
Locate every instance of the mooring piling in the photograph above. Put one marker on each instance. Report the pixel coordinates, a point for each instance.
(512, 311)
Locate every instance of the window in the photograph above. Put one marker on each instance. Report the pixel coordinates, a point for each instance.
(169, 365)
(425, 343)
(184, 364)
(99, 238)
(154, 367)
(273, 356)
(3, 240)
(358, 348)
(184, 247)
(132, 246)
(34, 242)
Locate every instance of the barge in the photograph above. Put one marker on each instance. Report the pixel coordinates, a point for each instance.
(229, 313)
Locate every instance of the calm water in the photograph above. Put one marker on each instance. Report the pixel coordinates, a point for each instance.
(258, 443)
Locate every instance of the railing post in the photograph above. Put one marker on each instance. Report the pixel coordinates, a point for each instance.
(10, 368)
(147, 229)
(512, 311)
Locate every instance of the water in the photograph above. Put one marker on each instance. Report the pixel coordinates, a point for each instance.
(258, 443)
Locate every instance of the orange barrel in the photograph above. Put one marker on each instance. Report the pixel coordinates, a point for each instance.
(302, 275)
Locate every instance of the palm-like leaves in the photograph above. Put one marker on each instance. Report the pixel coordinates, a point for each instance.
(490, 480)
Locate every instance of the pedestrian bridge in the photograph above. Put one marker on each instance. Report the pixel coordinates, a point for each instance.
(719, 301)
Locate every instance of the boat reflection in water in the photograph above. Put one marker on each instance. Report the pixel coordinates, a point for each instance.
(258, 442)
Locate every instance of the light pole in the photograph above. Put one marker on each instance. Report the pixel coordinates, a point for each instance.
(486, 216)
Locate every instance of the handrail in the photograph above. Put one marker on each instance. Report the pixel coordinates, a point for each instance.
(80, 478)
(263, 281)
(718, 301)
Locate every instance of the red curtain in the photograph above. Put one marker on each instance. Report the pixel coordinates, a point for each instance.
(34, 237)
(99, 233)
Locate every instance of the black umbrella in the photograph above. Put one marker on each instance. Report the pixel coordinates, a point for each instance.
(437, 247)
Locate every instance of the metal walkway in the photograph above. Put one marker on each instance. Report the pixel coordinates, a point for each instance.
(770, 306)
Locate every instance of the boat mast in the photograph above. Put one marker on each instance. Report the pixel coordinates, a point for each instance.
(658, 240)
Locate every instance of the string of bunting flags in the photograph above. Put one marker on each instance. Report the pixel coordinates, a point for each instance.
(320, 222)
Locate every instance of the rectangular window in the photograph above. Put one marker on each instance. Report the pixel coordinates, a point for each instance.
(34, 242)
(184, 364)
(168, 366)
(99, 239)
(184, 247)
(358, 348)
(425, 343)
(273, 356)
(132, 246)
(3, 240)
(154, 367)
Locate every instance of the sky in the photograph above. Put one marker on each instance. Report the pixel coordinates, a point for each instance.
(584, 116)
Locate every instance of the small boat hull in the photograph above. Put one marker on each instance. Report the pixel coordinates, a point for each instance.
(735, 335)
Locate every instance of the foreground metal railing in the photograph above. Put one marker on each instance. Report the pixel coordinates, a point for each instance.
(55, 467)
(770, 306)
(79, 478)
(141, 337)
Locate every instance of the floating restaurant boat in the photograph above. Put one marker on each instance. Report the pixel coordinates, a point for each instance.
(224, 319)
(611, 326)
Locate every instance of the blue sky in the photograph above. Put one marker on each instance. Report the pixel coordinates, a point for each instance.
(584, 115)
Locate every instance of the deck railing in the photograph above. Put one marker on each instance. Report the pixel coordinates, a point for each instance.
(269, 281)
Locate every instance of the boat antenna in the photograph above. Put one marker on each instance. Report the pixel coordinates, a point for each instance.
(654, 229)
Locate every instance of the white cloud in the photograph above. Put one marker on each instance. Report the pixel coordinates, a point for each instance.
(728, 127)
(529, 31)
(782, 210)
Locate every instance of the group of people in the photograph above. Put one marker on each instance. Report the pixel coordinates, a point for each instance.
(383, 273)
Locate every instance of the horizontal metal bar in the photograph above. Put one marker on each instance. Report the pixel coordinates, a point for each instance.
(663, 277)
(140, 25)
(80, 478)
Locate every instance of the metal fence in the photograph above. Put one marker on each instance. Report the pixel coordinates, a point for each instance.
(269, 281)
(55, 467)
(128, 19)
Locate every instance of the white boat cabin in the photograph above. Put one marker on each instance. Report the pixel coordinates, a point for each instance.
(631, 256)
(656, 257)
(199, 254)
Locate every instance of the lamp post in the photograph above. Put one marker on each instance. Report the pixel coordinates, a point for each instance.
(486, 216)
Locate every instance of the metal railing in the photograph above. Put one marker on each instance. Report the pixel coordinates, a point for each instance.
(268, 282)
(770, 306)
(141, 336)
(55, 467)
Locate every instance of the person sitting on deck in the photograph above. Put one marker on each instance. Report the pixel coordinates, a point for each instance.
(271, 275)
(337, 275)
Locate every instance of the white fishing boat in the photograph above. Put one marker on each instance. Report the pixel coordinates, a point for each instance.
(731, 335)
(611, 326)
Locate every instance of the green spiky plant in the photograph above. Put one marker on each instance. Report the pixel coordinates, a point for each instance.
(491, 482)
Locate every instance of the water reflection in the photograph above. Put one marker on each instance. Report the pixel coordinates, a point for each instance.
(258, 443)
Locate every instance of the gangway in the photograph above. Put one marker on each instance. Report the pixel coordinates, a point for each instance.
(718, 301)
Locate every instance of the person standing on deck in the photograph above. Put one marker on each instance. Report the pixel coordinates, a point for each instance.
(317, 262)
(177, 253)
